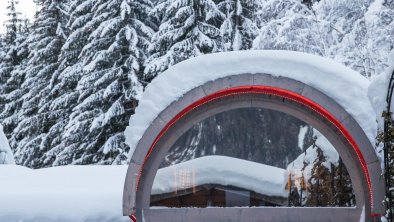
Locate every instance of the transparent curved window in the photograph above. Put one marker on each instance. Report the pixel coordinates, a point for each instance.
(252, 157)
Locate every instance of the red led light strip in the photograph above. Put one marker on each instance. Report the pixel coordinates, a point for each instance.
(133, 218)
(268, 90)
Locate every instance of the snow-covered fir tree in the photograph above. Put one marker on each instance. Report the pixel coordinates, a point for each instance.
(9, 58)
(11, 68)
(11, 93)
(367, 37)
(45, 42)
(188, 28)
(239, 28)
(64, 81)
(109, 86)
(356, 33)
(290, 25)
(3, 80)
(13, 24)
(349, 27)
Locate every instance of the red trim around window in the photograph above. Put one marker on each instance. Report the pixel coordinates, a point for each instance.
(268, 90)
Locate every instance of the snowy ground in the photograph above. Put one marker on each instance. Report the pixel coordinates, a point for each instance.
(94, 193)
(62, 194)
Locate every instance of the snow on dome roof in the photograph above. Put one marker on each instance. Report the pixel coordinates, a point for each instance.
(226, 171)
(347, 87)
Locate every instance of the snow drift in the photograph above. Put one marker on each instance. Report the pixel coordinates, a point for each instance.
(94, 193)
(62, 194)
(6, 156)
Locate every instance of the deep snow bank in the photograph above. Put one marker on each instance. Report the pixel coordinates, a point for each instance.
(6, 156)
(377, 90)
(70, 193)
(94, 193)
(344, 85)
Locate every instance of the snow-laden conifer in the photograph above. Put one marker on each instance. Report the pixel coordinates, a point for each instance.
(239, 28)
(11, 69)
(45, 42)
(9, 57)
(110, 64)
(290, 25)
(188, 28)
(63, 83)
(365, 34)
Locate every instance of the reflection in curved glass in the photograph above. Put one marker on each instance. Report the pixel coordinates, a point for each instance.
(252, 157)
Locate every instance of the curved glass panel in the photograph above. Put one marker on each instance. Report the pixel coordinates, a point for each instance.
(252, 157)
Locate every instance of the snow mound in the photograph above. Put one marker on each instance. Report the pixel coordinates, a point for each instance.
(226, 171)
(6, 156)
(377, 91)
(94, 193)
(391, 58)
(347, 87)
(69, 193)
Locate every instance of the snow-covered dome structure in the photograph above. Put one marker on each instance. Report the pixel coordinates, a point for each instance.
(323, 93)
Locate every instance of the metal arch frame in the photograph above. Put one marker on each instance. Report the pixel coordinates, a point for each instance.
(174, 120)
